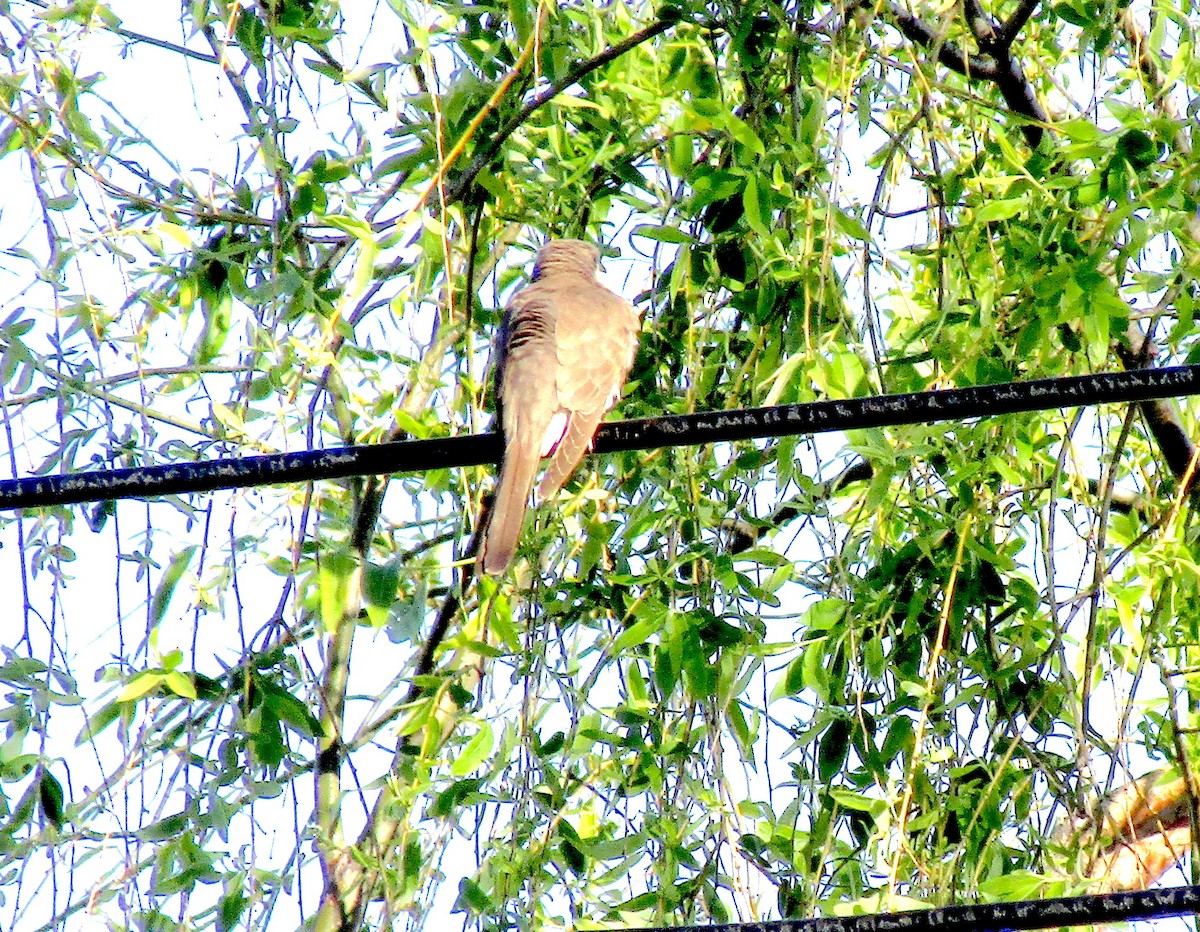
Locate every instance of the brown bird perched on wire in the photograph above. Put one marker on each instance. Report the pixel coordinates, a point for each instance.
(562, 354)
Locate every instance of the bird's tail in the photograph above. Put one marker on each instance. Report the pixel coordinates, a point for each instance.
(517, 472)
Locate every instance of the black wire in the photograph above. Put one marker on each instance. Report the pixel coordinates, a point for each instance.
(649, 433)
(990, 917)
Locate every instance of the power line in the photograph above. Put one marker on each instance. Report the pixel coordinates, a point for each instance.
(648, 433)
(990, 917)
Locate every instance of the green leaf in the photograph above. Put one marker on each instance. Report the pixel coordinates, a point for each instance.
(713, 186)
(833, 749)
(140, 685)
(638, 633)
(851, 226)
(1137, 149)
(356, 227)
(450, 799)
(793, 680)
(22, 671)
(1020, 885)
(337, 568)
(167, 583)
(993, 211)
(758, 206)
(290, 710)
(99, 721)
(744, 134)
(740, 729)
(231, 907)
(167, 827)
(323, 68)
(475, 752)
(380, 582)
(180, 684)
(662, 234)
(472, 899)
(813, 670)
(228, 418)
(51, 798)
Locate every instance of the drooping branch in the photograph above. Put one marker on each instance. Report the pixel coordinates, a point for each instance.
(744, 534)
(352, 874)
(1162, 418)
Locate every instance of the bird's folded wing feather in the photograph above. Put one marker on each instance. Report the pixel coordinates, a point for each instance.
(596, 341)
(581, 427)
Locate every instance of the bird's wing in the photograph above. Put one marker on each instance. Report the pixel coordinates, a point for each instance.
(581, 427)
(596, 341)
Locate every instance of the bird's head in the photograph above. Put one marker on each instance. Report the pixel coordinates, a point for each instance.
(567, 255)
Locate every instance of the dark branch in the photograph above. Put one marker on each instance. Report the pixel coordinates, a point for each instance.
(1016, 22)
(745, 534)
(1161, 415)
(996, 65)
(980, 24)
(423, 665)
(915, 30)
(1019, 95)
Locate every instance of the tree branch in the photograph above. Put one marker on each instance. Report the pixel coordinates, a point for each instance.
(980, 24)
(996, 64)
(1021, 98)
(1161, 415)
(144, 39)
(948, 53)
(1016, 22)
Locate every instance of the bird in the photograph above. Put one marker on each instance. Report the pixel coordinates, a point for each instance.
(563, 351)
